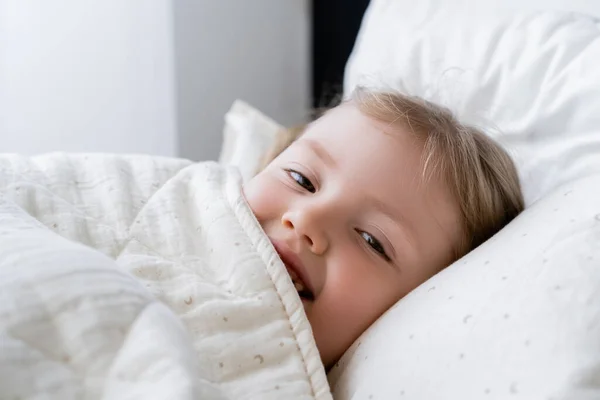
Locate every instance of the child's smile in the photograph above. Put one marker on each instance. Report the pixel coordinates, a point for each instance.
(297, 271)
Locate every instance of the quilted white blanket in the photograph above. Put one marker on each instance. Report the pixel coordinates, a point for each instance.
(129, 277)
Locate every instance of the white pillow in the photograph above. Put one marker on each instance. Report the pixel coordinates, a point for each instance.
(248, 137)
(519, 317)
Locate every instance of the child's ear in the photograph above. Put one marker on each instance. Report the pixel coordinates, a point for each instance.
(283, 141)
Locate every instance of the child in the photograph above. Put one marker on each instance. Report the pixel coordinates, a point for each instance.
(373, 199)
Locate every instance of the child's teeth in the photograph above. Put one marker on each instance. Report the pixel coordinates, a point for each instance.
(299, 286)
(293, 274)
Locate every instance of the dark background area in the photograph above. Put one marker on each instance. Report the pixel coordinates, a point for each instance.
(335, 25)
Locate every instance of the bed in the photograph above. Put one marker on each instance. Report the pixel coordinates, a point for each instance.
(519, 317)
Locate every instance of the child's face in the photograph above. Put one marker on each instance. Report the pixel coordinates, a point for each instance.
(347, 210)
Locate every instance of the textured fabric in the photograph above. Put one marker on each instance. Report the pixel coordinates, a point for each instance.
(141, 277)
(519, 317)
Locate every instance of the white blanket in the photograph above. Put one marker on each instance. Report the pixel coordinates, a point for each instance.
(143, 277)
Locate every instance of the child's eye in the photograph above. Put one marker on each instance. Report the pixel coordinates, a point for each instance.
(374, 244)
(301, 180)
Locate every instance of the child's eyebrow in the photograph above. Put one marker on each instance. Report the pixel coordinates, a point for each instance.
(320, 151)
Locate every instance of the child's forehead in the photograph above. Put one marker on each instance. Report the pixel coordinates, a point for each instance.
(361, 146)
(345, 117)
(347, 122)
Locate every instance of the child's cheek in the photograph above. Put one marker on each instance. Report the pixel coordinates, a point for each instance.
(373, 292)
(259, 195)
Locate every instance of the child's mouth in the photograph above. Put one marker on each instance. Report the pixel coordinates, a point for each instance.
(295, 269)
(301, 288)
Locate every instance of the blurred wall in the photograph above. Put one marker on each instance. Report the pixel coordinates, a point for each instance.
(146, 76)
(256, 50)
(87, 75)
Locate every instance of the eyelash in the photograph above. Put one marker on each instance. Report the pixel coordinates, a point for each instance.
(371, 240)
(297, 177)
(375, 245)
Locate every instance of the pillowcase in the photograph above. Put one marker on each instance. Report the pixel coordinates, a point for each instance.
(249, 137)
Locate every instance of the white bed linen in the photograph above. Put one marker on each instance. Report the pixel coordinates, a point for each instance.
(143, 277)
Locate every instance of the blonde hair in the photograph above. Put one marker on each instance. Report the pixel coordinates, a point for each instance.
(478, 171)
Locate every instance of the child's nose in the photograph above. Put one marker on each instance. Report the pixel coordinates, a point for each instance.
(307, 229)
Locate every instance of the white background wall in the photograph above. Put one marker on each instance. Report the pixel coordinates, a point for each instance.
(87, 75)
(149, 76)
